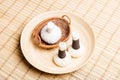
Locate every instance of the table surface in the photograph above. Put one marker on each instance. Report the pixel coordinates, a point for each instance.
(102, 15)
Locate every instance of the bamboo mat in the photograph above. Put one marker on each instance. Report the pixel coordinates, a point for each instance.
(102, 15)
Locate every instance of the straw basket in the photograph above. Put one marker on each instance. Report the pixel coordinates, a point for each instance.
(62, 22)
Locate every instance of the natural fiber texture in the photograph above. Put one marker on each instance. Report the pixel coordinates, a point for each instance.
(64, 27)
(102, 15)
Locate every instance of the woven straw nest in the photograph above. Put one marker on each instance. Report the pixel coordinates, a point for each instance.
(62, 22)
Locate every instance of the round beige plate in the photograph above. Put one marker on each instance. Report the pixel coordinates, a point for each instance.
(43, 59)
